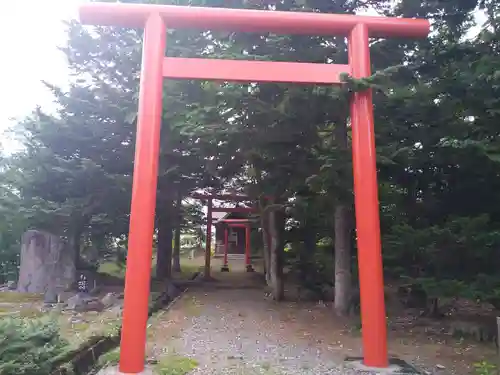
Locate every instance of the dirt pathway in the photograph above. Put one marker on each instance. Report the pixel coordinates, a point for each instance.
(242, 332)
(238, 332)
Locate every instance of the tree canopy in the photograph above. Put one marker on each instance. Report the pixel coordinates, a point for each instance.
(436, 116)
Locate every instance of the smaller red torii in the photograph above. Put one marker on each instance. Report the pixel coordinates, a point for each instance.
(210, 210)
(237, 223)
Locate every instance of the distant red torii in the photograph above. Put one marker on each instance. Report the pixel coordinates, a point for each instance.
(210, 197)
(237, 223)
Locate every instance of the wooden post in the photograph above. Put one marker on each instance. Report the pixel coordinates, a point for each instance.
(248, 264)
(225, 266)
(371, 279)
(208, 245)
(142, 212)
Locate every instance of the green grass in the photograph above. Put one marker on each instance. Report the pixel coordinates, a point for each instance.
(112, 269)
(191, 307)
(175, 365)
(110, 358)
(30, 313)
(188, 268)
(13, 297)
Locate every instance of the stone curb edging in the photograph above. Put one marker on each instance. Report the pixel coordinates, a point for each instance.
(83, 359)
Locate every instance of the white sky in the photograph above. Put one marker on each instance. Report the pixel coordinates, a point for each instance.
(30, 32)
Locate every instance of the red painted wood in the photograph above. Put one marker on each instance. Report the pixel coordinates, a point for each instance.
(142, 213)
(308, 23)
(371, 281)
(252, 71)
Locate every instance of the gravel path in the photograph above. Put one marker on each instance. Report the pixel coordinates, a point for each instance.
(238, 332)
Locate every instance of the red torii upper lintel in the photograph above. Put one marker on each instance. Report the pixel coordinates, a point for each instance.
(249, 20)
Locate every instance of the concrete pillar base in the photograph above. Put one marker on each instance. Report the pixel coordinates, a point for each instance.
(114, 370)
(355, 366)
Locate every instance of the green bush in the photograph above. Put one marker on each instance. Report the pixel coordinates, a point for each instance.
(30, 346)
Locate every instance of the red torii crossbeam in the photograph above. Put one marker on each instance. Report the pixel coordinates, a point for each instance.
(155, 66)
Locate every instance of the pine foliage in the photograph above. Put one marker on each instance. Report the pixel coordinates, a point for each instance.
(30, 346)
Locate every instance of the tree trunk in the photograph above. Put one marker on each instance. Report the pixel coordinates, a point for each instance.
(342, 260)
(176, 266)
(342, 233)
(75, 244)
(177, 241)
(306, 253)
(75, 232)
(164, 251)
(266, 249)
(276, 229)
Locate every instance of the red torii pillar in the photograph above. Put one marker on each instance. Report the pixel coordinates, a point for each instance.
(208, 245)
(225, 265)
(155, 67)
(248, 264)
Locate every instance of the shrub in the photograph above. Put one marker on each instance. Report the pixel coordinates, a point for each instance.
(30, 346)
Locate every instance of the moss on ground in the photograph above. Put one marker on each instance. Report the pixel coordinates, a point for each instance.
(191, 306)
(30, 313)
(15, 297)
(110, 358)
(87, 325)
(175, 365)
(112, 269)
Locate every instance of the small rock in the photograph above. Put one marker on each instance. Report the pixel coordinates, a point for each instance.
(233, 357)
(172, 290)
(64, 296)
(85, 304)
(87, 297)
(50, 296)
(118, 310)
(11, 285)
(77, 301)
(109, 300)
(440, 367)
(75, 320)
(92, 305)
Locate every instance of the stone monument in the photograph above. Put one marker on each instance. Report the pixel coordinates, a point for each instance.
(47, 263)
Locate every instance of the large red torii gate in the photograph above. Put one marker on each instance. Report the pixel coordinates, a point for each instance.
(155, 67)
